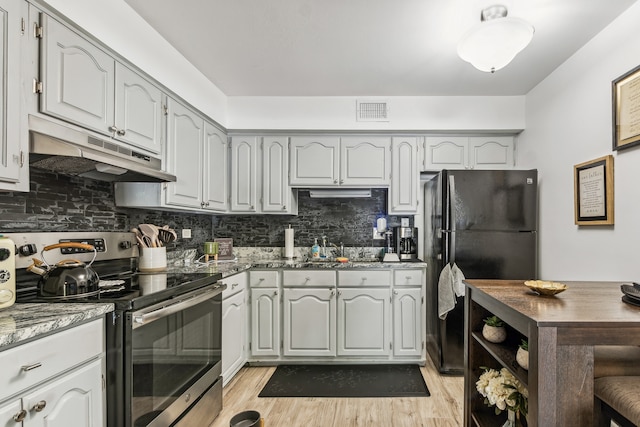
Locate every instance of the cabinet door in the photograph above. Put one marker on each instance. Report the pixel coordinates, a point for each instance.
(8, 411)
(446, 153)
(185, 133)
(363, 319)
(365, 161)
(309, 322)
(138, 110)
(405, 181)
(234, 327)
(315, 161)
(495, 152)
(265, 322)
(407, 330)
(10, 105)
(73, 400)
(244, 174)
(215, 169)
(78, 78)
(276, 193)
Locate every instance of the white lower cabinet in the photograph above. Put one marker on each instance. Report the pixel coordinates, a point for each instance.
(309, 322)
(265, 322)
(363, 322)
(407, 321)
(55, 381)
(74, 400)
(234, 325)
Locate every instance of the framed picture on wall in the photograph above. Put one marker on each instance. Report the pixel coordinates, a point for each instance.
(626, 110)
(593, 192)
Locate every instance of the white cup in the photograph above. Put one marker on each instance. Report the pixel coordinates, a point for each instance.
(153, 259)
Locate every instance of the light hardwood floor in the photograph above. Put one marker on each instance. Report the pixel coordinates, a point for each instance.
(442, 409)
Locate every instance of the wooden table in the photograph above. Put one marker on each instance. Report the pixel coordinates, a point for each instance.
(561, 331)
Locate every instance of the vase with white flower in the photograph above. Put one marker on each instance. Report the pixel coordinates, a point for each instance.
(502, 390)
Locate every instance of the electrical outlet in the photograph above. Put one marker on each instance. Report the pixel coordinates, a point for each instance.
(186, 233)
(376, 235)
(404, 222)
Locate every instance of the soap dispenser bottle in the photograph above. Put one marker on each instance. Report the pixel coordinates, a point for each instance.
(315, 249)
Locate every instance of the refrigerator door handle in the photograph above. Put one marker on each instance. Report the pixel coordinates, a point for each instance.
(452, 220)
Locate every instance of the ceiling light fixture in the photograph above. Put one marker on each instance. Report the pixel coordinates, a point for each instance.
(492, 44)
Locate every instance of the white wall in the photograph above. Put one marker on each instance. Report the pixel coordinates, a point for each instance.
(118, 26)
(405, 113)
(569, 122)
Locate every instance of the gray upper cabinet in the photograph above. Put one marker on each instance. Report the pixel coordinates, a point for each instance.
(138, 110)
(13, 137)
(277, 196)
(405, 184)
(215, 169)
(326, 161)
(78, 78)
(244, 174)
(185, 130)
(84, 85)
(476, 152)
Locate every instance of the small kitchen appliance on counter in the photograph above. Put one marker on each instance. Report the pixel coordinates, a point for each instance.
(7, 272)
(405, 242)
(152, 378)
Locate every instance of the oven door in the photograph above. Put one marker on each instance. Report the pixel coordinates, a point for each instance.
(173, 356)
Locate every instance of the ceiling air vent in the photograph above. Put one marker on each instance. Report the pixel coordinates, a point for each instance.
(372, 111)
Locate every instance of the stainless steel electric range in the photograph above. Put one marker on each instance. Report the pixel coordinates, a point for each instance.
(163, 341)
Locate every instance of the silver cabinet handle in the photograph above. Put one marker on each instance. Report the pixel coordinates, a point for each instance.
(113, 129)
(121, 132)
(27, 368)
(342, 181)
(339, 293)
(234, 285)
(395, 292)
(38, 407)
(251, 207)
(332, 293)
(20, 416)
(335, 181)
(284, 208)
(275, 292)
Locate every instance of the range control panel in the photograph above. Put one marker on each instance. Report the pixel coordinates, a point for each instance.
(99, 244)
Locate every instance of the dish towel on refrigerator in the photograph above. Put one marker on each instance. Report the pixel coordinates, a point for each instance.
(457, 277)
(446, 294)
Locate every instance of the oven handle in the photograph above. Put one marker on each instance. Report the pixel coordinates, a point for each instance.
(146, 316)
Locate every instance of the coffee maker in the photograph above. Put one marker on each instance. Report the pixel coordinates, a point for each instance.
(405, 243)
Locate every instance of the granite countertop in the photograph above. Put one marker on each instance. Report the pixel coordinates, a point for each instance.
(21, 322)
(228, 268)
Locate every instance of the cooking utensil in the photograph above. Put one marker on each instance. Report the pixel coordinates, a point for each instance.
(166, 235)
(141, 242)
(151, 231)
(70, 277)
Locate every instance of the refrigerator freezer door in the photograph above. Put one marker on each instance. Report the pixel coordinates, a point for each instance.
(490, 199)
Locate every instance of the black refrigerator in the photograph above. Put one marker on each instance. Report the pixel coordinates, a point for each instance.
(485, 222)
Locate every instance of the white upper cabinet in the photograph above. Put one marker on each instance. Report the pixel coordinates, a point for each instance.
(185, 130)
(78, 78)
(277, 195)
(138, 110)
(332, 161)
(405, 180)
(481, 152)
(215, 157)
(13, 133)
(315, 161)
(365, 161)
(244, 174)
(84, 85)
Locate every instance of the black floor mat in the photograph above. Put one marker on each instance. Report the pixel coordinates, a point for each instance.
(346, 381)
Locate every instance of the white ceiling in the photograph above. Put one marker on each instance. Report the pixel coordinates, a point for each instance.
(366, 47)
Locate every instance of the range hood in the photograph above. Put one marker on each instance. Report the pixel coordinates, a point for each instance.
(68, 150)
(339, 193)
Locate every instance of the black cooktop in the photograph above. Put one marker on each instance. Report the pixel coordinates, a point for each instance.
(137, 290)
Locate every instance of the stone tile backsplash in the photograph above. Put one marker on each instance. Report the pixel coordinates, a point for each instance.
(64, 203)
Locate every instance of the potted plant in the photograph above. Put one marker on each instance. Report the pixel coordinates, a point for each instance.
(522, 355)
(494, 330)
(502, 390)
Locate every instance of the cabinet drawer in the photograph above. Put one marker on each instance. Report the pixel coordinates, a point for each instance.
(314, 278)
(235, 284)
(263, 279)
(49, 356)
(349, 278)
(408, 277)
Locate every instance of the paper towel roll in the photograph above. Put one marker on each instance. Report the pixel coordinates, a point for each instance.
(288, 242)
